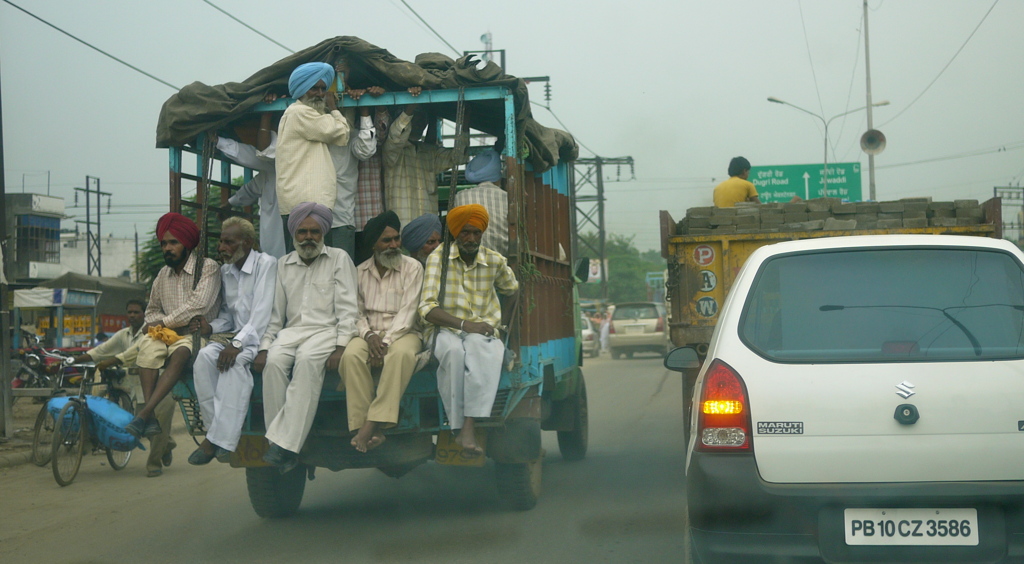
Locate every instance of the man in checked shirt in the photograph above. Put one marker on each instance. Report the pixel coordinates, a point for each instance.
(173, 303)
(388, 336)
(468, 347)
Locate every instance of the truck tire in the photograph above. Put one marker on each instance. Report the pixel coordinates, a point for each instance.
(272, 494)
(519, 484)
(573, 444)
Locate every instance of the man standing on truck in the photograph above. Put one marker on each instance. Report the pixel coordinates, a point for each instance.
(173, 302)
(411, 165)
(389, 339)
(467, 318)
(305, 168)
(313, 319)
(221, 372)
(737, 188)
(122, 349)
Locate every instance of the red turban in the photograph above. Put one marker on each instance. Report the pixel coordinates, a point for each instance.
(183, 229)
(470, 214)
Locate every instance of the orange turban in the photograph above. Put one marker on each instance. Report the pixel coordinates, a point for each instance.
(470, 214)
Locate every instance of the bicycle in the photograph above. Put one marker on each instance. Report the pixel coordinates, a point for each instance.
(42, 435)
(77, 424)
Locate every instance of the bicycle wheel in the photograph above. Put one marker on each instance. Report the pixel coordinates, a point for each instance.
(118, 459)
(42, 437)
(69, 437)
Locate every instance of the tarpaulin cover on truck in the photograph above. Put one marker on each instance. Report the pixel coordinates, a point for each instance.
(198, 107)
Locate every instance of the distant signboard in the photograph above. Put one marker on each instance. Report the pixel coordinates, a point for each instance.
(781, 183)
(595, 271)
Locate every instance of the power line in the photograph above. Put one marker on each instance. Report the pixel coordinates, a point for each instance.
(91, 46)
(552, 112)
(810, 60)
(445, 41)
(926, 88)
(1000, 149)
(849, 92)
(258, 32)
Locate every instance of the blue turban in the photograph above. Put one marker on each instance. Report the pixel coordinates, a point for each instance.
(485, 167)
(417, 231)
(306, 76)
(321, 213)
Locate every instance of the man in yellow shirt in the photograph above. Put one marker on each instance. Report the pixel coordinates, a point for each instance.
(737, 188)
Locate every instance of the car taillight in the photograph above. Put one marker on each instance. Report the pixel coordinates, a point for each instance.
(723, 419)
(611, 327)
(660, 326)
(590, 337)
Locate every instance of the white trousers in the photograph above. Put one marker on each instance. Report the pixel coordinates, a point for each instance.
(289, 405)
(468, 374)
(223, 396)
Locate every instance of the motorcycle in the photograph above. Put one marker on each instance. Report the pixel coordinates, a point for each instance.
(37, 367)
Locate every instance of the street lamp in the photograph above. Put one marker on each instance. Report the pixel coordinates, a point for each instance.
(824, 172)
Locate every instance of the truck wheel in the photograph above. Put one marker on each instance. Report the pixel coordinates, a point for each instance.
(275, 495)
(519, 484)
(573, 444)
(616, 354)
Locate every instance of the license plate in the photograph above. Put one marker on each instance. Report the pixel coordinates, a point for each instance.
(634, 329)
(449, 452)
(250, 451)
(911, 527)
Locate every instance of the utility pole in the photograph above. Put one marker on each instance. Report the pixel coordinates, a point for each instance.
(871, 123)
(136, 253)
(93, 244)
(589, 175)
(6, 397)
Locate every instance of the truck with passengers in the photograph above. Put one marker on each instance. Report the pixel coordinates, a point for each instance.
(541, 385)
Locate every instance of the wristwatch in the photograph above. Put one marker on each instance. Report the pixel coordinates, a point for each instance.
(236, 343)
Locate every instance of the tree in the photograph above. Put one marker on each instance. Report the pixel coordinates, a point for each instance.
(627, 269)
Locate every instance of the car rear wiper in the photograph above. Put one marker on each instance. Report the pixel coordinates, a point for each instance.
(967, 332)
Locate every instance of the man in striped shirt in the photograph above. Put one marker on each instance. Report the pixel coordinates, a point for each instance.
(466, 321)
(388, 338)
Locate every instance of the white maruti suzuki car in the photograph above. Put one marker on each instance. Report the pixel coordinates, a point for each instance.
(862, 400)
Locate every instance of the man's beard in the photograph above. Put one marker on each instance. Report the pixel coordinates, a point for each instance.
(389, 259)
(170, 261)
(317, 104)
(239, 255)
(308, 250)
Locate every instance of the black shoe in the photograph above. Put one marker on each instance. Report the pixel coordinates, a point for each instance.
(200, 457)
(168, 457)
(285, 460)
(222, 455)
(152, 429)
(136, 428)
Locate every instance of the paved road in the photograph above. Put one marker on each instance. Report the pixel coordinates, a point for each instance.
(623, 503)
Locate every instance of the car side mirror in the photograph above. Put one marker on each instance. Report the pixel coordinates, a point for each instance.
(582, 272)
(682, 358)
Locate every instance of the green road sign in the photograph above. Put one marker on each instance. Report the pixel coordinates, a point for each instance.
(781, 183)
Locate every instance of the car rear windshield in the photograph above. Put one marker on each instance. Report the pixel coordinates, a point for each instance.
(887, 305)
(636, 311)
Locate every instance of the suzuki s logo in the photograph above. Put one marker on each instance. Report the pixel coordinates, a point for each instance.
(905, 389)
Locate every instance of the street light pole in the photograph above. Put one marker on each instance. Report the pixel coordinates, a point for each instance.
(824, 122)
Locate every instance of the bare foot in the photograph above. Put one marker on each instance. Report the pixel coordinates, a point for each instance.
(467, 441)
(365, 436)
(375, 441)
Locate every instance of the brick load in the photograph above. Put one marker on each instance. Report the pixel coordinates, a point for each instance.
(830, 214)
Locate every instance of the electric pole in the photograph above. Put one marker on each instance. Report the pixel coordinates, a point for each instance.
(588, 188)
(93, 246)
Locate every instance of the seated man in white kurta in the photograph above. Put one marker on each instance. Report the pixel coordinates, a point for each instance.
(221, 372)
(313, 319)
(466, 321)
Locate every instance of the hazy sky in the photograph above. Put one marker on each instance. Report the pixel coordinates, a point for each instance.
(680, 86)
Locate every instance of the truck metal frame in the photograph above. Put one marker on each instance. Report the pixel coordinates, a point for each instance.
(542, 389)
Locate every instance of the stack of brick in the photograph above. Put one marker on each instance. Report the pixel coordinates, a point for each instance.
(830, 214)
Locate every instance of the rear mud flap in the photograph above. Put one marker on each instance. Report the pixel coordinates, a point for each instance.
(517, 441)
